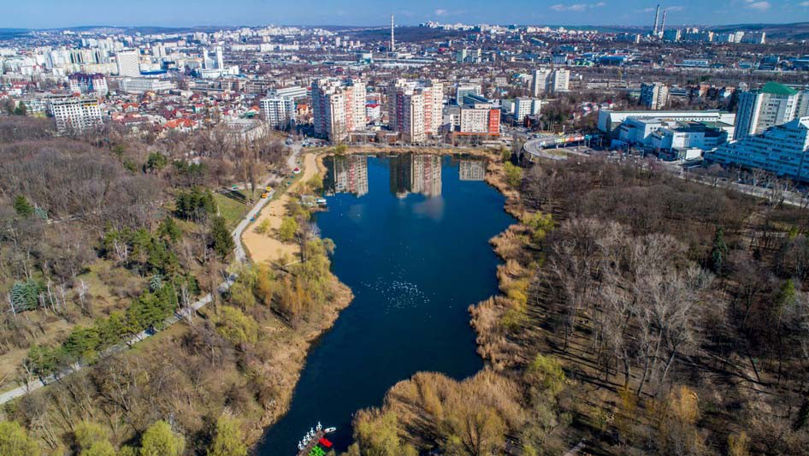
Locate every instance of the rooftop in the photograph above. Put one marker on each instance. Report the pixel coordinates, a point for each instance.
(775, 88)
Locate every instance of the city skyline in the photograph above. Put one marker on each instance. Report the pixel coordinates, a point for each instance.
(367, 13)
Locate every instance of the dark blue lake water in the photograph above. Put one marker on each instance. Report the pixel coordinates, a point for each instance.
(412, 243)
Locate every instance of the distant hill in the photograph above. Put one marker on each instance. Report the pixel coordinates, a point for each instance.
(794, 31)
(406, 34)
(9, 33)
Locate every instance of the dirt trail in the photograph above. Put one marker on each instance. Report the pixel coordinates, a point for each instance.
(267, 247)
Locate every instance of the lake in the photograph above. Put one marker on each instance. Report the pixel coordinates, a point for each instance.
(411, 234)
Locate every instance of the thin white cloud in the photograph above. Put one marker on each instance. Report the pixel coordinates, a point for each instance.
(804, 4)
(759, 6)
(577, 7)
(440, 12)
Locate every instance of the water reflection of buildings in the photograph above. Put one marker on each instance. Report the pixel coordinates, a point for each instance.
(410, 173)
(347, 175)
(472, 170)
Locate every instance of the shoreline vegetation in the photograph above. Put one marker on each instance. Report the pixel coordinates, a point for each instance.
(210, 384)
(639, 314)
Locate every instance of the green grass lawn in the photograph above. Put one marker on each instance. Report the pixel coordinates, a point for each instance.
(231, 210)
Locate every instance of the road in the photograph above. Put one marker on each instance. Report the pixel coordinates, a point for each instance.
(786, 197)
(535, 148)
(239, 254)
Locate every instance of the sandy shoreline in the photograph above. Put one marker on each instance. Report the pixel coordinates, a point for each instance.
(263, 248)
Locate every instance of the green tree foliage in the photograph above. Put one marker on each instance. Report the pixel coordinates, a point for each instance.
(151, 309)
(719, 251)
(118, 150)
(315, 183)
(340, 149)
(22, 206)
(786, 295)
(155, 162)
(307, 287)
(168, 229)
(196, 204)
(21, 109)
(128, 451)
(377, 434)
(243, 291)
(228, 439)
(513, 174)
(263, 227)
(14, 441)
(220, 239)
(288, 229)
(149, 253)
(41, 361)
(545, 373)
(102, 448)
(130, 165)
(92, 440)
(539, 224)
(25, 295)
(190, 172)
(505, 154)
(83, 344)
(160, 440)
(235, 326)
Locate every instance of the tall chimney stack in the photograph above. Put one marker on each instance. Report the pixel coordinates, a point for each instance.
(392, 42)
(657, 17)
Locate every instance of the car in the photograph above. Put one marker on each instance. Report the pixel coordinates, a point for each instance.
(268, 188)
(296, 171)
(265, 195)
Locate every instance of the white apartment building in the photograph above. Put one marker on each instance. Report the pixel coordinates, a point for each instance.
(293, 92)
(474, 120)
(338, 107)
(559, 81)
(220, 61)
(128, 63)
(781, 149)
(524, 107)
(73, 114)
(773, 104)
(539, 83)
(143, 85)
(479, 120)
(654, 96)
(547, 81)
(278, 111)
(415, 108)
(88, 83)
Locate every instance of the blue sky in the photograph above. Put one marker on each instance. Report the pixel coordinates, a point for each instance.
(59, 13)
